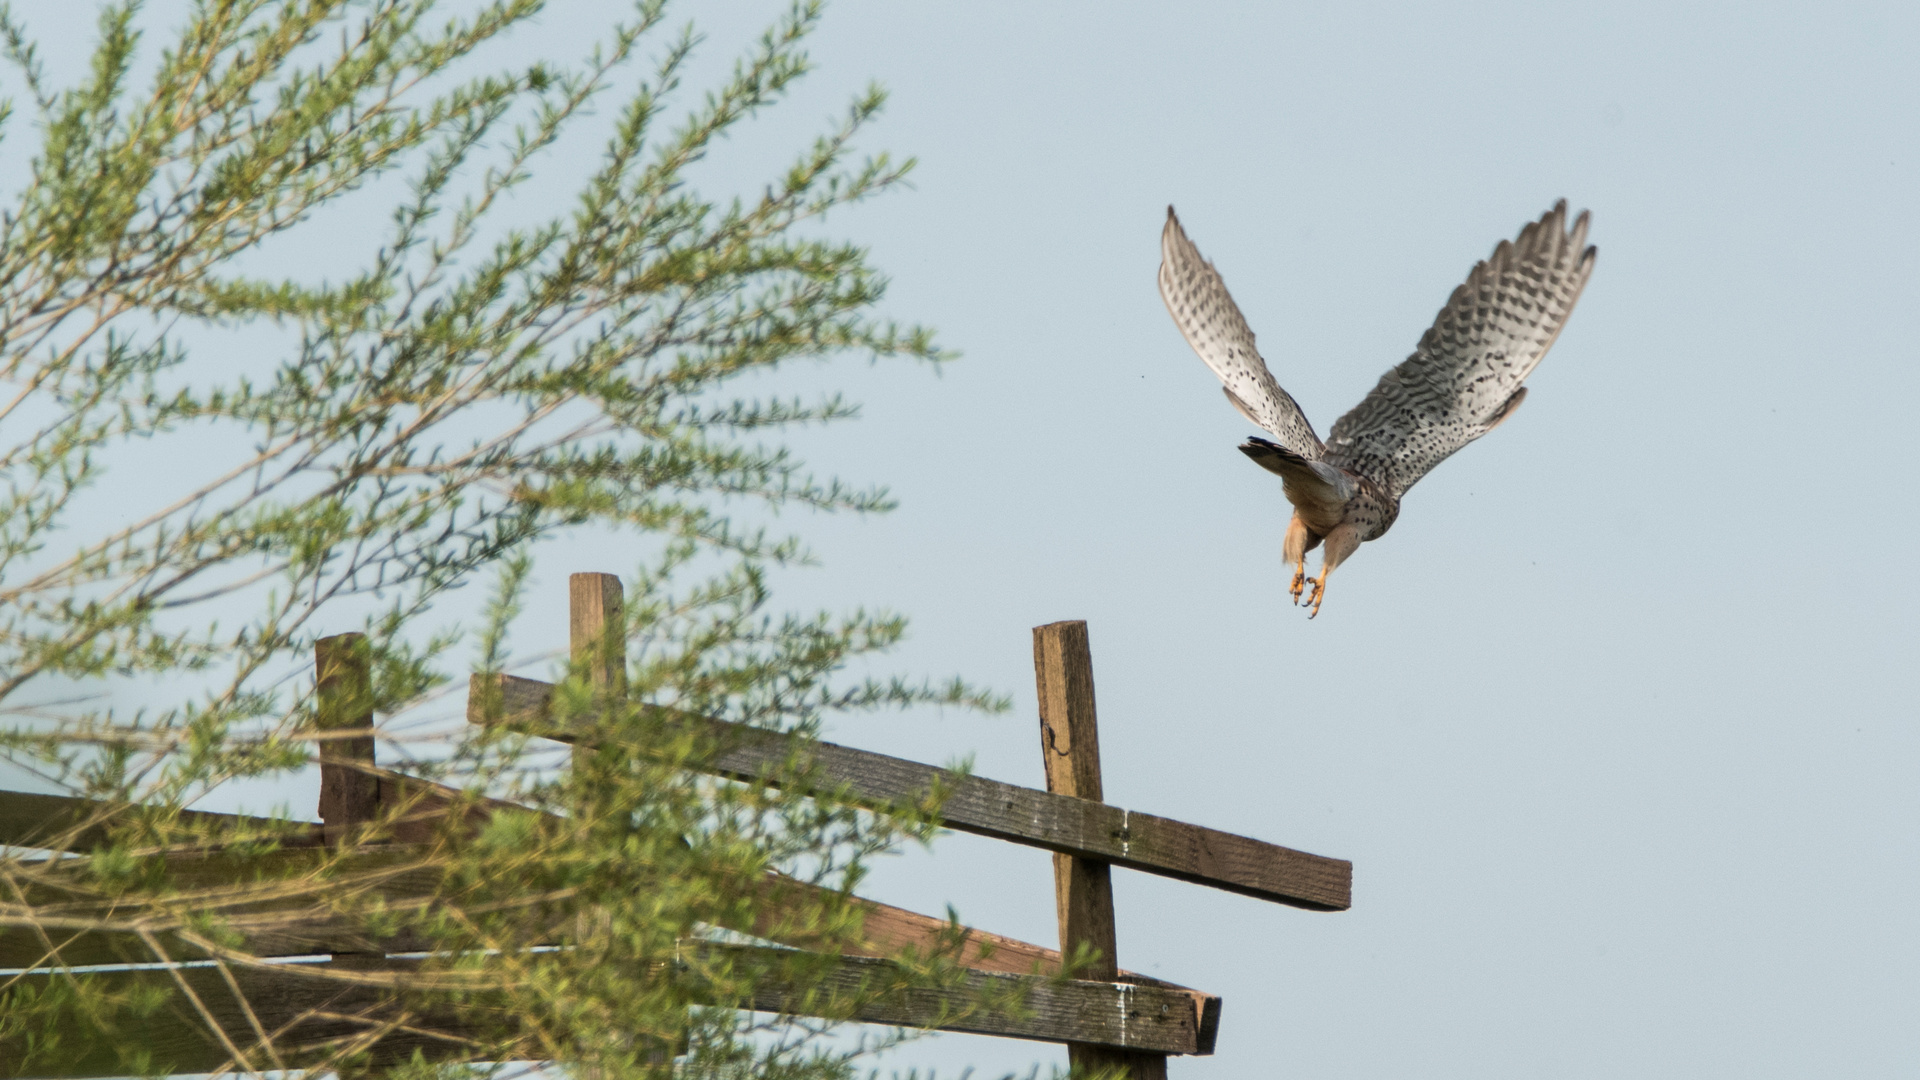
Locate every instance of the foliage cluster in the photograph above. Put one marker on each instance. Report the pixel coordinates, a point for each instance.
(213, 458)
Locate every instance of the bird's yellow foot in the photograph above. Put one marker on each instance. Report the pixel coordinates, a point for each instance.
(1299, 584)
(1319, 593)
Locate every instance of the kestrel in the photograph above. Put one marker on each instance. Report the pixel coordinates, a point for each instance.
(1462, 381)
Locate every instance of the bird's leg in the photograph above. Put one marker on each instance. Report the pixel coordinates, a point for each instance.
(1319, 593)
(1341, 542)
(1299, 541)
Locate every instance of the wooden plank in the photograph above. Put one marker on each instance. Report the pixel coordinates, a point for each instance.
(597, 630)
(55, 911)
(57, 919)
(887, 930)
(310, 1009)
(349, 789)
(1052, 1010)
(297, 928)
(597, 639)
(343, 713)
(66, 823)
(413, 811)
(597, 647)
(303, 926)
(1057, 823)
(26, 817)
(292, 1001)
(1083, 888)
(1070, 755)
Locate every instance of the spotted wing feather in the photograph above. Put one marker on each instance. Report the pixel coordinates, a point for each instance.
(1211, 322)
(1464, 378)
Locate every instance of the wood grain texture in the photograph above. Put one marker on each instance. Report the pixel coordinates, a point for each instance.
(299, 1001)
(597, 646)
(412, 808)
(302, 928)
(597, 630)
(66, 823)
(1057, 823)
(1069, 731)
(1070, 755)
(597, 640)
(294, 1001)
(349, 793)
(1083, 888)
(57, 918)
(56, 910)
(1050, 1010)
(888, 930)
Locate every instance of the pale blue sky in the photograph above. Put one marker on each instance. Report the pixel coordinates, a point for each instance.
(1617, 724)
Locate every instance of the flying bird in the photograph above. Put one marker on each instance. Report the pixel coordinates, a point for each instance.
(1462, 381)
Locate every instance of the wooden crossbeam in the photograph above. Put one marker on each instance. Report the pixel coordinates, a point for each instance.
(47, 923)
(1058, 823)
(1130, 1015)
(1107, 1016)
(67, 823)
(304, 1007)
(214, 880)
(295, 1005)
(64, 823)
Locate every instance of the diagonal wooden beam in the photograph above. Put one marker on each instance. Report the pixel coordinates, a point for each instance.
(301, 927)
(69, 823)
(66, 823)
(307, 1007)
(1130, 1015)
(269, 900)
(1058, 823)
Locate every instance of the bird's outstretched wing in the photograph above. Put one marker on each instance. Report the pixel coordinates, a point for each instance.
(1198, 301)
(1464, 378)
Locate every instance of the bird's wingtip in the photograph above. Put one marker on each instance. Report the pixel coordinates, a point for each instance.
(1171, 230)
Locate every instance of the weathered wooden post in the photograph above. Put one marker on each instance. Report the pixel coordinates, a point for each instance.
(1082, 888)
(597, 630)
(597, 638)
(349, 790)
(597, 641)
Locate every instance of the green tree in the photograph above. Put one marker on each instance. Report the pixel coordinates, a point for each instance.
(214, 457)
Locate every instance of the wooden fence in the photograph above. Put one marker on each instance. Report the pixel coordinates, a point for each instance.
(1106, 1015)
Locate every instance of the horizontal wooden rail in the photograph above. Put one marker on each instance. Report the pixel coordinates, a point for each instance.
(64, 822)
(305, 1007)
(301, 926)
(1120, 1014)
(1057, 823)
(51, 921)
(301, 1009)
(32, 820)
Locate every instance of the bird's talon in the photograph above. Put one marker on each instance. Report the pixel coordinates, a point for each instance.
(1319, 591)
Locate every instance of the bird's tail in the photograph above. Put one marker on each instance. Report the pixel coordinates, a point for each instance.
(1306, 480)
(1273, 457)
